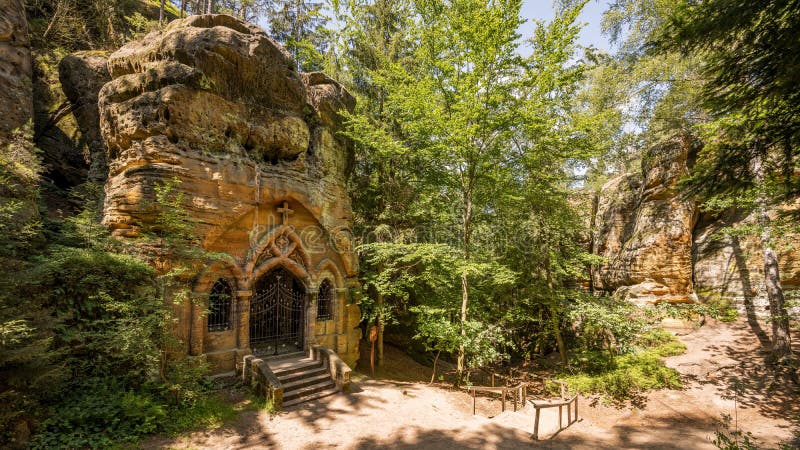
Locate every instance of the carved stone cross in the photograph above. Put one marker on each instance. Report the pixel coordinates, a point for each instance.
(285, 212)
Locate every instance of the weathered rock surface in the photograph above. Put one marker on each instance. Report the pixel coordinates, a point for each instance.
(82, 75)
(729, 268)
(15, 71)
(660, 248)
(644, 229)
(216, 104)
(19, 165)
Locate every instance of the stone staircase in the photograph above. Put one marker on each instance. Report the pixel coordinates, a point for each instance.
(302, 378)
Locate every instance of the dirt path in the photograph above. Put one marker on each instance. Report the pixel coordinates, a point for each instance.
(402, 414)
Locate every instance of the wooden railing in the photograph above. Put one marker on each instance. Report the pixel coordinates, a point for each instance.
(519, 393)
(564, 401)
(539, 406)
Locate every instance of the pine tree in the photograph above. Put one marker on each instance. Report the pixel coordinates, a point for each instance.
(299, 25)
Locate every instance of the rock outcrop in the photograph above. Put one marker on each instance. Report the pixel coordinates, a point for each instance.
(659, 247)
(217, 105)
(19, 165)
(644, 229)
(82, 75)
(729, 267)
(15, 70)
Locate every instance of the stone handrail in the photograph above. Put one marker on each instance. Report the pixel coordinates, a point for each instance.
(257, 374)
(339, 370)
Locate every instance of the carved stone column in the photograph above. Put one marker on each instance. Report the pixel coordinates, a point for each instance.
(243, 319)
(197, 332)
(310, 327)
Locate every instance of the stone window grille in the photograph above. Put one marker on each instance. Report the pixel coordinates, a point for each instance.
(325, 301)
(220, 306)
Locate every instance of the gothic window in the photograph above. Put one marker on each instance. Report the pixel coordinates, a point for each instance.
(325, 301)
(220, 305)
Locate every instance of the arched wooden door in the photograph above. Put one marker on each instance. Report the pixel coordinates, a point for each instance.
(277, 314)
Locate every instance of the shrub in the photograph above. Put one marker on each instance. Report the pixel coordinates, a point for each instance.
(625, 376)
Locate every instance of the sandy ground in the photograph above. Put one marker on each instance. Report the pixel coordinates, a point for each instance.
(384, 412)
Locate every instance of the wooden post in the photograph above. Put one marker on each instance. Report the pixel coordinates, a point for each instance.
(473, 401)
(536, 424)
(560, 413)
(569, 412)
(515, 400)
(492, 379)
(576, 408)
(503, 393)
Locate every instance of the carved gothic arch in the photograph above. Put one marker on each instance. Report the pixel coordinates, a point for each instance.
(219, 268)
(328, 266)
(293, 267)
(281, 245)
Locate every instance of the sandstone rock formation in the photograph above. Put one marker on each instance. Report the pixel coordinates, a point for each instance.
(644, 229)
(729, 268)
(659, 247)
(15, 70)
(19, 165)
(82, 75)
(216, 104)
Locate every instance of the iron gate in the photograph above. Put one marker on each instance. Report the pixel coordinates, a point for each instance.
(277, 312)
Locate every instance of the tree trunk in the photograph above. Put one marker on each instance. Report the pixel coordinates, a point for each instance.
(781, 339)
(554, 322)
(562, 348)
(466, 223)
(380, 323)
(183, 9)
(161, 14)
(592, 237)
(435, 360)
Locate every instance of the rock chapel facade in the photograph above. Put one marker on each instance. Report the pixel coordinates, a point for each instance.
(217, 105)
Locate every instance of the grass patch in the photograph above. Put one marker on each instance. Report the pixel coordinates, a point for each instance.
(260, 403)
(207, 413)
(624, 377)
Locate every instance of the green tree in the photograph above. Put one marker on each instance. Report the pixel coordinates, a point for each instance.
(751, 71)
(480, 143)
(299, 25)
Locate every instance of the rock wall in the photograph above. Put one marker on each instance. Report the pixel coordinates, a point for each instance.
(82, 75)
(216, 104)
(19, 164)
(730, 268)
(644, 229)
(15, 69)
(659, 247)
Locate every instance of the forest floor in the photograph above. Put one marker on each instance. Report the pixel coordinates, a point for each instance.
(400, 410)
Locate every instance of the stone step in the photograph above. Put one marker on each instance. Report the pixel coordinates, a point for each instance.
(309, 397)
(305, 381)
(307, 390)
(289, 366)
(311, 372)
(283, 356)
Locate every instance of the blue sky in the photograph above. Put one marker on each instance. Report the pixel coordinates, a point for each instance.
(591, 15)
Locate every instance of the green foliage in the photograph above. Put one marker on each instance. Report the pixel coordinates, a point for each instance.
(108, 317)
(736, 439)
(99, 413)
(89, 333)
(207, 413)
(607, 323)
(299, 25)
(624, 377)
